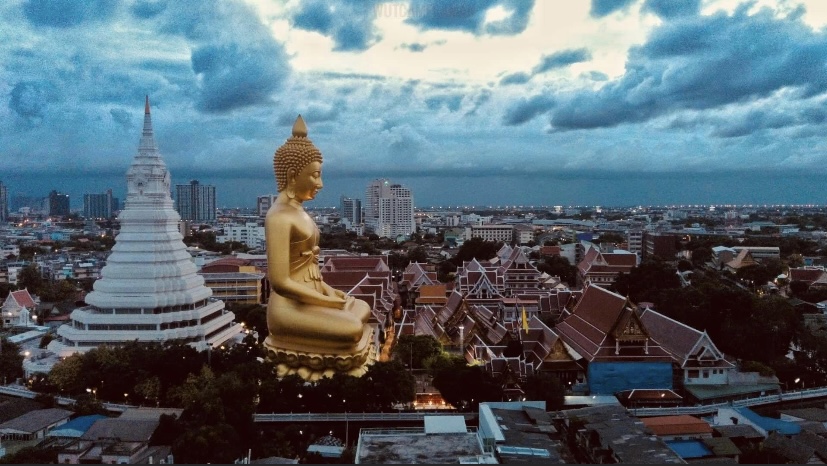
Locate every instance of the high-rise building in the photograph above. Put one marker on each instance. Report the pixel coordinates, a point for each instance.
(263, 204)
(389, 209)
(99, 205)
(149, 290)
(4, 203)
(351, 210)
(195, 201)
(58, 204)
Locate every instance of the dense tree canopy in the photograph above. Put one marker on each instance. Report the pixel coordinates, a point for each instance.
(559, 266)
(476, 248)
(415, 350)
(11, 361)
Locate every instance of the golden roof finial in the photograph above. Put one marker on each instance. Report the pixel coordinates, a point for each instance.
(299, 128)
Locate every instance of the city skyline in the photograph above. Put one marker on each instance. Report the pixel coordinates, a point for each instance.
(605, 102)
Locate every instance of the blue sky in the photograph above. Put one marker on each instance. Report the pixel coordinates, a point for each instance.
(611, 102)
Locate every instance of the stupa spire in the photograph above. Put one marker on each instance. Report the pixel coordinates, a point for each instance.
(147, 144)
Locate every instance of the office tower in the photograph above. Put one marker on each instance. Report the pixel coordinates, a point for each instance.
(58, 204)
(4, 203)
(195, 202)
(98, 205)
(263, 204)
(149, 290)
(351, 210)
(389, 209)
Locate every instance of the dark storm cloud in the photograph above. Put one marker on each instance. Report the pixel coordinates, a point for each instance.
(759, 119)
(562, 59)
(121, 117)
(468, 15)
(148, 8)
(670, 8)
(704, 62)
(525, 110)
(515, 78)
(234, 76)
(63, 13)
(29, 100)
(601, 8)
(235, 61)
(349, 24)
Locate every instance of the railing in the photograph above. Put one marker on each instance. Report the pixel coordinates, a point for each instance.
(789, 396)
(60, 400)
(342, 417)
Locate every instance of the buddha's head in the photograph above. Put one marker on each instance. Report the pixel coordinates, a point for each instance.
(294, 155)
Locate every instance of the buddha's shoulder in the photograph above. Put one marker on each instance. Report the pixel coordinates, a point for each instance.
(284, 213)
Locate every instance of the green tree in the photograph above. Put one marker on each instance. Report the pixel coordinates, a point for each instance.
(415, 349)
(387, 384)
(646, 281)
(701, 255)
(418, 254)
(29, 278)
(465, 387)
(11, 361)
(32, 455)
(545, 387)
(66, 375)
(477, 248)
(559, 266)
(45, 340)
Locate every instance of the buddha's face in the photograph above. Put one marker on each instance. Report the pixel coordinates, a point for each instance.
(308, 182)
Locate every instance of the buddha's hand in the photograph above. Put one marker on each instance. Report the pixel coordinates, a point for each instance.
(338, 303)
(340, 294)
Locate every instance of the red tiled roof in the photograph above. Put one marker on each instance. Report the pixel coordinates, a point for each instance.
(805, 275)
(23, 298)
(621, 259)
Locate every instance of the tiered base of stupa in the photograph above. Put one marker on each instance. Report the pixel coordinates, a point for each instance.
(312, 364)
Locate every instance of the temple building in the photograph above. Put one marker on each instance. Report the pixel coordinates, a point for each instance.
(606, 331)
(149, 290)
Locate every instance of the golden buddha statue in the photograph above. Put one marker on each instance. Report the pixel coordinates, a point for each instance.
(315, 330)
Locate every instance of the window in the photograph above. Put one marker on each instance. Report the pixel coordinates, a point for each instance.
(693, 374)
(706, 374)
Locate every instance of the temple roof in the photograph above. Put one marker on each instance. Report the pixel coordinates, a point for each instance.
(601, 321)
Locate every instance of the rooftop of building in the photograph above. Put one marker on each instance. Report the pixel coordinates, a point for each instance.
(413, 445)
(626, 436)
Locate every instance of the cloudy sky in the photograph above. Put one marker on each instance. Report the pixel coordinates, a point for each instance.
(610, 102)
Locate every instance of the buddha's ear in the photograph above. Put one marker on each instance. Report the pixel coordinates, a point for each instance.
(292, 173)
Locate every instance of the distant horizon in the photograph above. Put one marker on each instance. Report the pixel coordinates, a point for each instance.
(581, 189)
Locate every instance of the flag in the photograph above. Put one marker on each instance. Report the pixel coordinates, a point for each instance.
(525, 321)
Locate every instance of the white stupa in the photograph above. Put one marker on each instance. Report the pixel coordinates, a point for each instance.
(149, 290)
